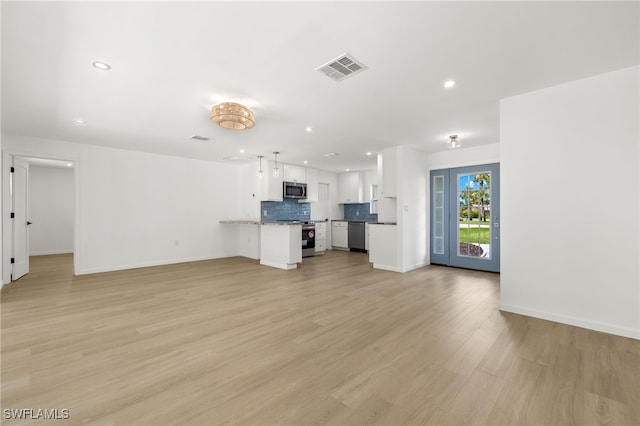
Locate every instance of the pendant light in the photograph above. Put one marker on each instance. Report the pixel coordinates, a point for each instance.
(276, 170)
(260, 157)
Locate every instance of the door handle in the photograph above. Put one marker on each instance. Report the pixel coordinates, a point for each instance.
(28, 223)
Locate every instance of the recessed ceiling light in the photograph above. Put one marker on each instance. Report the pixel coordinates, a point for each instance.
(449, 84)
(79, 122)
(242, 151)
(308, 129)
(69, 164)
(347, 170)
(305, 162)
(369, 153)
(102, 66)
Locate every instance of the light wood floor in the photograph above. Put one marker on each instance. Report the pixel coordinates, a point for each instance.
(334, 342)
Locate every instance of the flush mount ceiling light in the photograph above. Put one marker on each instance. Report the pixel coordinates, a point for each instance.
(449, 84)
(234, 116)
(453, 141)
(102, 65)
(79, 122)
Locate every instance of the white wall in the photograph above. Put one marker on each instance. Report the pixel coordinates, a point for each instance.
(137, 209)
(570, 235)
(413, 208)
(51, 210)
(461, 157)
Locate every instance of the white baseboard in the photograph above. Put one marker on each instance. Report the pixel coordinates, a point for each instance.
(87, 271)
(285, 266)
(578, 322)
(399, 269)
(416, 266)
(387, 267)
(47, 253)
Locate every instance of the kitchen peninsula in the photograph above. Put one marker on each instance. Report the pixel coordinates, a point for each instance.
(279, 242)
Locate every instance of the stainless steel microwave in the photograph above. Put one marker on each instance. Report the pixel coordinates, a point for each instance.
(294, 190)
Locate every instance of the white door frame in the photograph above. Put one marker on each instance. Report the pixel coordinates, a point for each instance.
(7, 227)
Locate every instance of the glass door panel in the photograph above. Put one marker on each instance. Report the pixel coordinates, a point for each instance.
(470, 217)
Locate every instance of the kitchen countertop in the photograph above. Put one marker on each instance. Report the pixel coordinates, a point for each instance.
(296, 222)
(241, 222)
(257, 222)
(371, 222)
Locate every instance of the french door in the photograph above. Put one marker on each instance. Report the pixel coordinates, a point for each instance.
(465, 217)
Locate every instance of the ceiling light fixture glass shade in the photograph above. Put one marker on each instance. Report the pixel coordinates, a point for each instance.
(231, 115)
(453, 141)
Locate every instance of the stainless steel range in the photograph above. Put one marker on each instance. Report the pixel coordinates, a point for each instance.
(308, 239)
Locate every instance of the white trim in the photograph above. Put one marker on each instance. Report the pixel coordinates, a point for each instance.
(7, 229)
(413, 267)
(147, 264)
(286, 266)
(578, 322)
(387, 267)
(399, 269)
(47, 253)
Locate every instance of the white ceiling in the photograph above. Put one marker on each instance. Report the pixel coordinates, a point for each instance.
(172, 61)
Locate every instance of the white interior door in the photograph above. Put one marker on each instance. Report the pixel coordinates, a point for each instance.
(20, 210)
(322, 205)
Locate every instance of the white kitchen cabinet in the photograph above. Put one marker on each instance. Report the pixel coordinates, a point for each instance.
(340, 234)
(294, 173)
(370, 179)
(269, 185)
(383, 247)
(349, 188)
(321, 237)
(280, 245)
(312, 186)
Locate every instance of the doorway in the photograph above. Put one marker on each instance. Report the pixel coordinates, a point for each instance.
(465, 217)
(42, 210)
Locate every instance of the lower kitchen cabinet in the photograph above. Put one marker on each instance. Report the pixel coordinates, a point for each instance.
(321, 237)
(340, 234)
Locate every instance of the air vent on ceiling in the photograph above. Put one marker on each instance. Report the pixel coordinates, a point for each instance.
(199, 138)
(331, 154)
(342, 67)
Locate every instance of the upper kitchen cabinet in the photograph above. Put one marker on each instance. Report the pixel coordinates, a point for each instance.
(350, 188)
(312, 186)
(270, 185)
(370, 181)
(355, 187)
(294, 173)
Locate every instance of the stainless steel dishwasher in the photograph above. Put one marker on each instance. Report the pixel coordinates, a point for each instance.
(356, 236)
